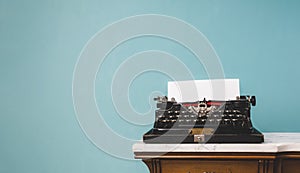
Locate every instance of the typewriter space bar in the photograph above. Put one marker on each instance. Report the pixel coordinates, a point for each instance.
(171, 131)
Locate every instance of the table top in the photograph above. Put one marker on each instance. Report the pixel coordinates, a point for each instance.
(274, 143)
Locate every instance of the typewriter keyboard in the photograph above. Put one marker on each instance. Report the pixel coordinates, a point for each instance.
(188, 118)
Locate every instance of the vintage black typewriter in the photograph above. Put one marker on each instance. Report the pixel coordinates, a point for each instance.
(204, 122)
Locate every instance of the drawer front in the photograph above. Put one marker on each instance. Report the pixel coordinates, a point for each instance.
(206, 166)
(291, 166)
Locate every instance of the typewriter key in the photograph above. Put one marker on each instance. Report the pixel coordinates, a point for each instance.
(160, 116)
(239, 115)
(180, 120)
(216, 116)
(234, 122)
(178, 116)
(173, 120)
(223, 115)
(164, 120)
(192, 116)
(188, 120)
(227, 121)
(211, 120)
(186, 116)
(171, 116)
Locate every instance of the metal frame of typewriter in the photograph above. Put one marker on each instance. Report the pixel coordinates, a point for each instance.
(204, 122)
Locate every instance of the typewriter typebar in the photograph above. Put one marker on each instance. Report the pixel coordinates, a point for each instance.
(204, 121)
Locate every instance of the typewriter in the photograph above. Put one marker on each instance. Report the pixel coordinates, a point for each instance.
(206, 121)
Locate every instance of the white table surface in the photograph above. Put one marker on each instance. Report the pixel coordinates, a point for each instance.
(274, 142)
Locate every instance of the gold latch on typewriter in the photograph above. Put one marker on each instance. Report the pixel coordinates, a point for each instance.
(200, 133)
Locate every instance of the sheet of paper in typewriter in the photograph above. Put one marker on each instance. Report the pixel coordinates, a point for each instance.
(193, 90)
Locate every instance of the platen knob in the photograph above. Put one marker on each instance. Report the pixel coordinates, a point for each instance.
(253, 100)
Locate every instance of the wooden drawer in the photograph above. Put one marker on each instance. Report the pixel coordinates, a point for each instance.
(207, 166)
(290, 166)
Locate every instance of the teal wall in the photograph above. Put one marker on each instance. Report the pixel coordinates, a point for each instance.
(40, 42)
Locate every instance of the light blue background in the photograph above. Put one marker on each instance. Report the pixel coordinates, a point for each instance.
(40, 42)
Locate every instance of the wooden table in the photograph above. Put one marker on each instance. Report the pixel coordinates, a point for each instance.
(280, 153)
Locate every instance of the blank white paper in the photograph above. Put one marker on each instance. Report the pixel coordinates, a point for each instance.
(194, 90)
